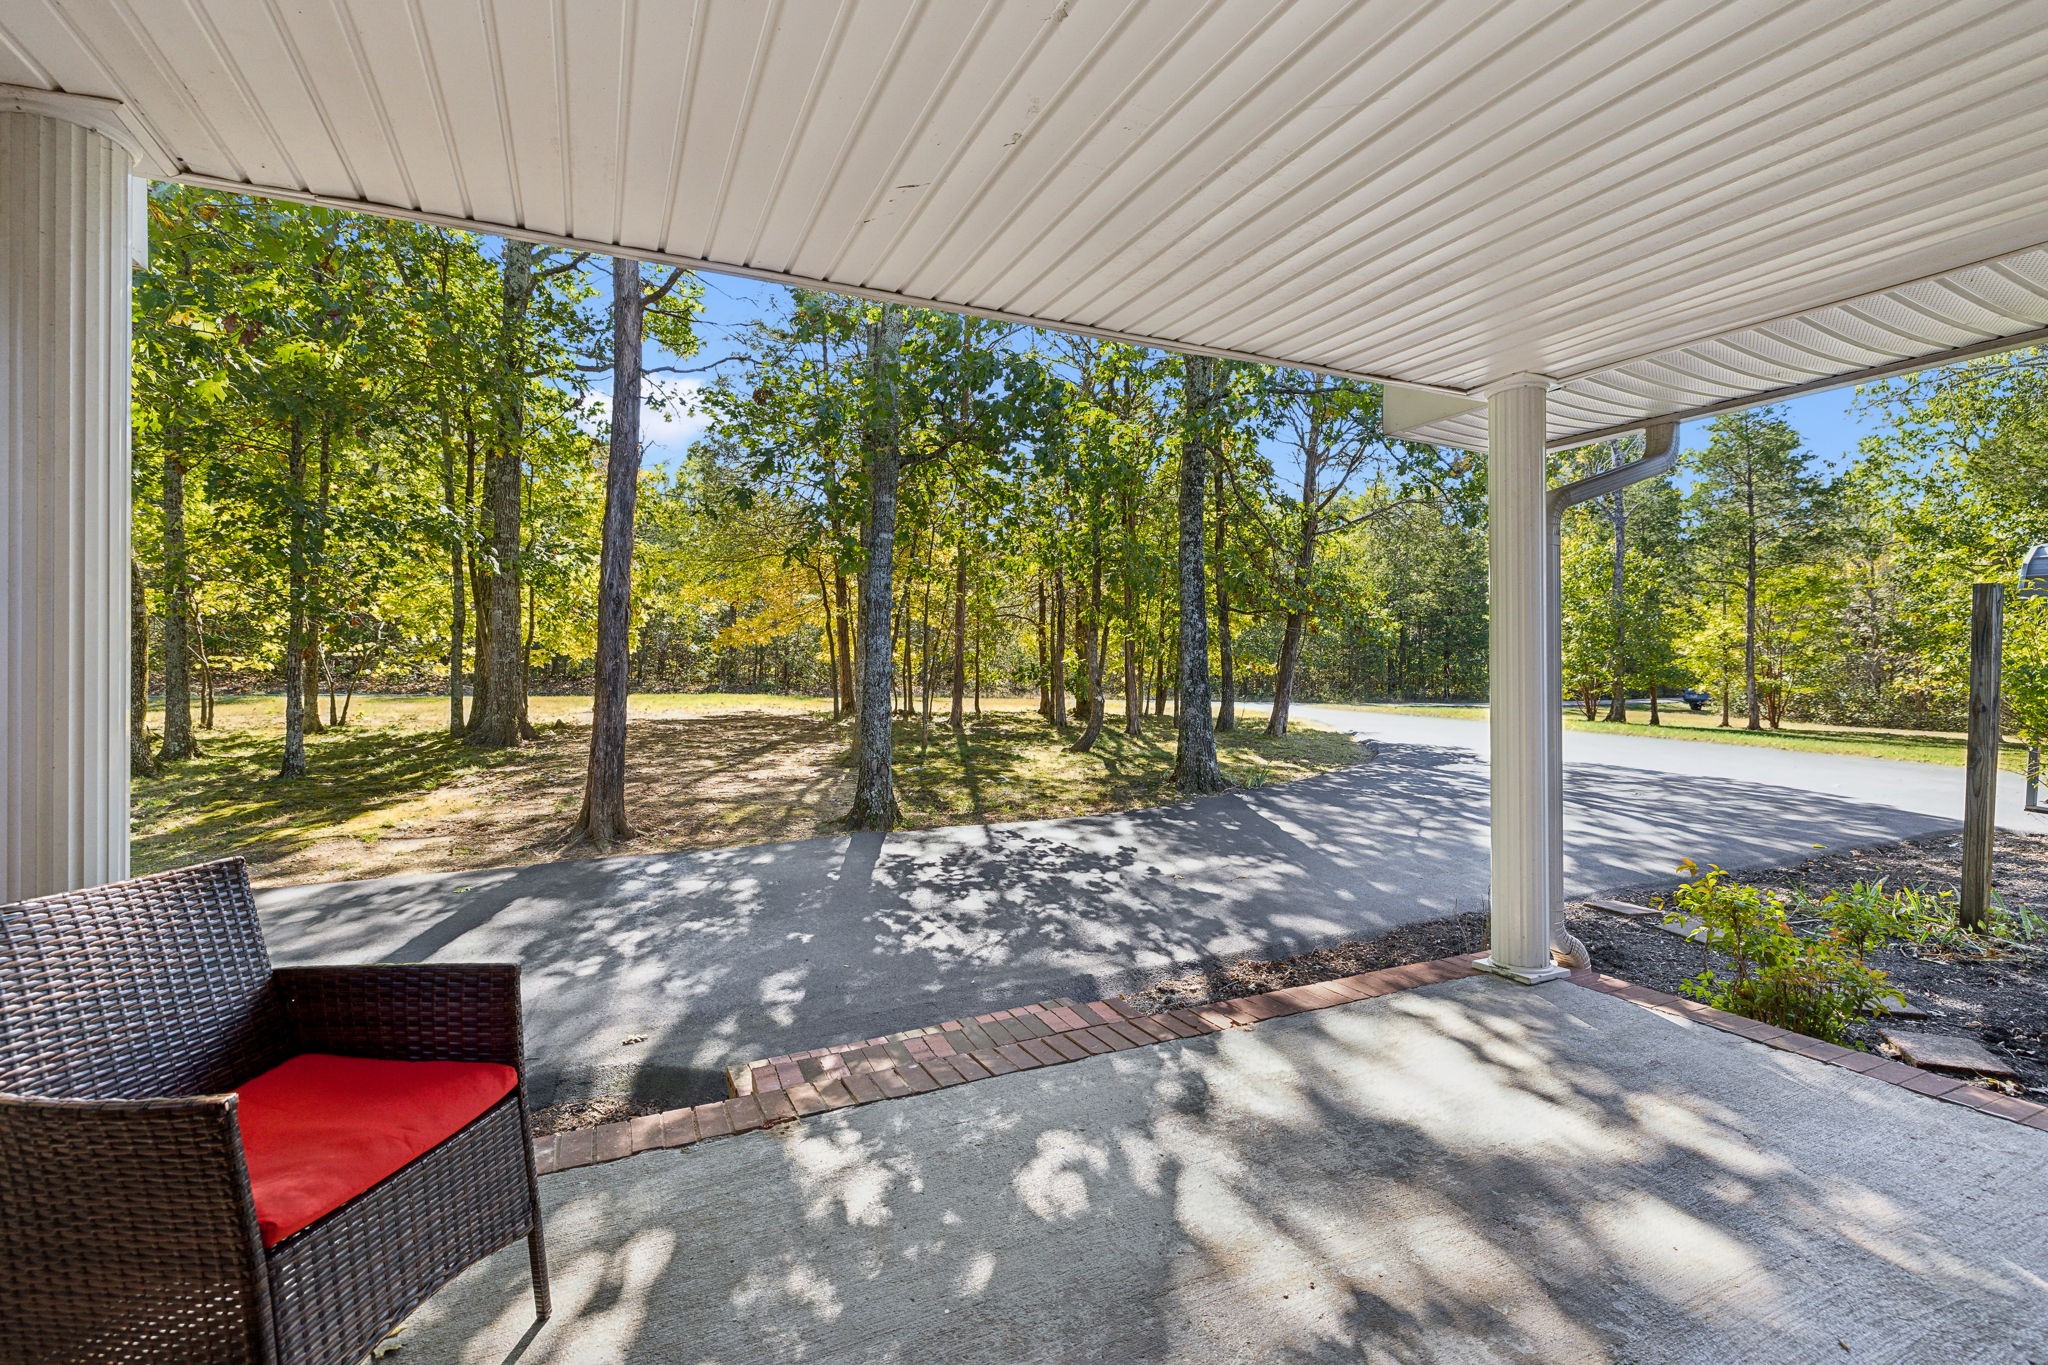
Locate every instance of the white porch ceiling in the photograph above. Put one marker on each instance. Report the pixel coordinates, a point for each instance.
(1633, 198)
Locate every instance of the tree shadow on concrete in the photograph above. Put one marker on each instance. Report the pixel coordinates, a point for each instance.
(1469, 1172)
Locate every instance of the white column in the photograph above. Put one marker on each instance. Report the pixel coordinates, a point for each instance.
(1528, 834)
(64, 494)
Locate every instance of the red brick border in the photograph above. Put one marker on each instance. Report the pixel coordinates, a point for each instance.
(1954, 1089)
(779, 1090)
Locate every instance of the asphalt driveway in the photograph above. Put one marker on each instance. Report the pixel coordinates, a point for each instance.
(647, 975)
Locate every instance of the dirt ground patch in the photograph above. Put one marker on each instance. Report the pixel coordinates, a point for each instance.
(389, 793)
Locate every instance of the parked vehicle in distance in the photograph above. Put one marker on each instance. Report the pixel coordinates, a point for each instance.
(1696, 698)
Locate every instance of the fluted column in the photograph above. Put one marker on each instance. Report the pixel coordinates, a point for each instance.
(1527, 746)
(64, 491)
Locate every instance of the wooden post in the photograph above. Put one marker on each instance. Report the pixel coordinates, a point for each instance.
(1980, 791)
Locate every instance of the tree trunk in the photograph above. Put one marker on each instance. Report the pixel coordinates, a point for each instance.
(1094, 635)
(1750, 700)
(458, 591)
(1655, 717)
(1044, 664)
(479, 604)
(140, 760)
(845, 682)
(1297, 618)
(526, 730)
(309, 674)
(1226, 696)
(205, 672)
(316, 563)
(874, 795)
(831, 643)
(1059, 649)
(1194, 757)
(1617, 605)
(1283, 674)
(1134, 677)
(294, 762)
(907, 669)
(177, 617)
(603, 818)
(959, 716)
(496, 717)
(922, 680)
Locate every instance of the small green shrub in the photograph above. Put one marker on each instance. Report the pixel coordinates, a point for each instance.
(1818, 985)
(1868, 915)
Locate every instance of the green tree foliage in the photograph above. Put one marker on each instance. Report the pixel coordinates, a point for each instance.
(367, 454)
(309, 409)
(1953, 493)
(1755, 505)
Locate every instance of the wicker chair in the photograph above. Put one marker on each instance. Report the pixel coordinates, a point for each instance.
(128, 1231)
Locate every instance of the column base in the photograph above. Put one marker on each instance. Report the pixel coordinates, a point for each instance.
(1528, 976)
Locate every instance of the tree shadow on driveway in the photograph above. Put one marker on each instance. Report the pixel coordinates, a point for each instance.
(711, 959)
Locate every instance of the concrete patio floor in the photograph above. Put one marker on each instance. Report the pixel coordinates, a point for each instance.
(1468, 1171)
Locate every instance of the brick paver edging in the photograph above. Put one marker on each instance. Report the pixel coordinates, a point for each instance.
(1923, 1082)
(782, 1089)
(779, 1090)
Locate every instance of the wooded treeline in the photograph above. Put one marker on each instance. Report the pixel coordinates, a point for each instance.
(1790, 591)
(374, 454)
(371, 454)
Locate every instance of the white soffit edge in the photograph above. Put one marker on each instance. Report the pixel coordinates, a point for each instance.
(1978, 310)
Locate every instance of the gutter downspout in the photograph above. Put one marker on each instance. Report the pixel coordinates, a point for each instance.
(1660, 453)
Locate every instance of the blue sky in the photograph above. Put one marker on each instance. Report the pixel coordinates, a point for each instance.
(1828, 422)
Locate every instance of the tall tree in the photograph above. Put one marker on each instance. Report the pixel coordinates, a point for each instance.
(881, 452)
(1226, 660)
(1330, 430)
(178, 385)
(140, 759)
(1194, 758)
(1754, 502)
(499, 717)
(603, 818)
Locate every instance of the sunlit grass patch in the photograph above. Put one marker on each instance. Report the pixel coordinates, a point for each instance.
(1011, 765)
(1679, 722)
(392, 792)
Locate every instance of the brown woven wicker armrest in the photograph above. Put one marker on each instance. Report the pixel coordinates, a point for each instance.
(128, 1225)
(416, 1012)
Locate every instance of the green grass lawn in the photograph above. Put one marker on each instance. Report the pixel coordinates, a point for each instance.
(1918, 746)
(391, 791)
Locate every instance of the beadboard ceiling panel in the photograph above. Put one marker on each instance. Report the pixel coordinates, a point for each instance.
(1665, 207)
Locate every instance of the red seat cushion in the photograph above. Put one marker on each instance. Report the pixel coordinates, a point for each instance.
(319, 1130)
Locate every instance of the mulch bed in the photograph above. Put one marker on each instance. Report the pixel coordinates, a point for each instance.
(2000, 998)
(567, 1118)
(1424, 942)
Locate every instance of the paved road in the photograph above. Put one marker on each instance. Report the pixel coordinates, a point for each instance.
(710, 959)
